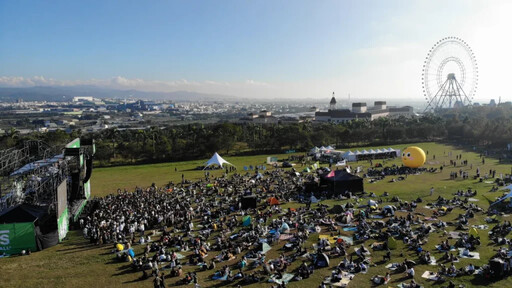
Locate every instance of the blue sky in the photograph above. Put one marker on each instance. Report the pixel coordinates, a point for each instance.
(246, 48)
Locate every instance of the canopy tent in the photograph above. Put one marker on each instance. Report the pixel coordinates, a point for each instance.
(509, 187)
(371, 154)
(341, 182)
(337, 209)
(263, 248)
(329, 147)
(249, 202)
(273, 201)
(350, 156)
(23, 213)
(216, 159)
(504, 197)
(321, 260)
(246, 221)
(28, 227)
(285, 228)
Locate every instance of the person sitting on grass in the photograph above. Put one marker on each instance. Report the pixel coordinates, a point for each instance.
(470, 269)
(409, 272)
(379, 280)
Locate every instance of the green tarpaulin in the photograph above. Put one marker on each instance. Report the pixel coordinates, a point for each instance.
(15, 237)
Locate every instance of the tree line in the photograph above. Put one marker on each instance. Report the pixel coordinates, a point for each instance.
(482, 126)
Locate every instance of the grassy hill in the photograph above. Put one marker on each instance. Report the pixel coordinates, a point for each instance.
(76, 263)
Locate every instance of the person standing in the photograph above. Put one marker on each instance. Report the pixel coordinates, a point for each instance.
(431, 191)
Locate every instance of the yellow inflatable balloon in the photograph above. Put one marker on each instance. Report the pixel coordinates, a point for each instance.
(413, 157)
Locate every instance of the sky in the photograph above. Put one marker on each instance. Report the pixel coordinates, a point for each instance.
(251, 49)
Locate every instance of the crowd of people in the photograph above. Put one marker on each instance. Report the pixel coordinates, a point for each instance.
(205, 224)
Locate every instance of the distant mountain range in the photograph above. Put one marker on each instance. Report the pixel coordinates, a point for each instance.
(66, 93)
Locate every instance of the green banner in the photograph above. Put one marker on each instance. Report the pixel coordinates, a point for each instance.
(63, 224)
(87, 189)
(74, 144)
(15, 237)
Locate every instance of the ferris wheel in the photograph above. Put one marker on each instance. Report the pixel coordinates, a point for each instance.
(450, 75)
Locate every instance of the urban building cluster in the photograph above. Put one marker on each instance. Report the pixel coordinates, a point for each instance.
(361, 111)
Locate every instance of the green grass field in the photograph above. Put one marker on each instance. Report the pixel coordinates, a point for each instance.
(76, 263)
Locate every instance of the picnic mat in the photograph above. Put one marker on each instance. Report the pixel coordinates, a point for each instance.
(392, 266)
(345, 280)
(473, 200)
(349, 228)
(286, 278)
(481, 227)
(432, 261)
(454, 234)
(285, 236)
(332, 239)
(405, 285)
(472, 255)
(430, 275)
(365, 253)
(438, 247)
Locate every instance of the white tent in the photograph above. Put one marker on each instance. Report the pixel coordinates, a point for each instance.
(365, 152)
(372, 151)
(350, 156)
(329, 147)
(216, 159)
(380, 151)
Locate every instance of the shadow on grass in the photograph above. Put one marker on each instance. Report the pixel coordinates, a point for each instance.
(125, 269)
(78, 248)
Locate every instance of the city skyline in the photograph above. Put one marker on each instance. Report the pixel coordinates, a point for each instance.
(288, 49)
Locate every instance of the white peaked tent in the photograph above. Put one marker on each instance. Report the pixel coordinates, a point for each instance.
(216, 159)
(314, 150)
(350, 156)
